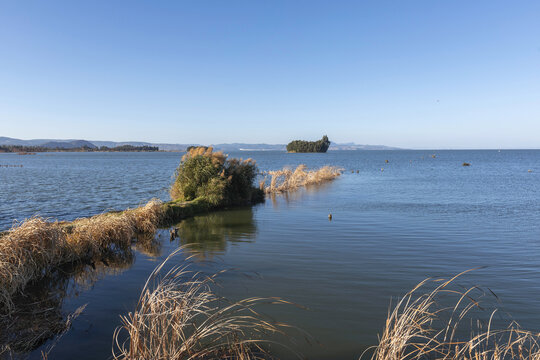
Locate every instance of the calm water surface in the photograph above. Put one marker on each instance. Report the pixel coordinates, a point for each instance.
(393, 225)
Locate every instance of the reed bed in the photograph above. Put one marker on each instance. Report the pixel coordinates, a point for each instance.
(287, 179)
(421, 327)
(39, 315)
(34, 247)
(179, 317)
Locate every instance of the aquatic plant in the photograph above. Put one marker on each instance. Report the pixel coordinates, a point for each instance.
(219, 181)
(179, 317)
(422, 327)
(286, 179)
(34, 247)
(38, 315)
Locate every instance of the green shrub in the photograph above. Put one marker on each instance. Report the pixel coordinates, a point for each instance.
(218, 180)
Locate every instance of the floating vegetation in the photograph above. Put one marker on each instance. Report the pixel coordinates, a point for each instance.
(423, 327)
(178, 316)
(287, 180)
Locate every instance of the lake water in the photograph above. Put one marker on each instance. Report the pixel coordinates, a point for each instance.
(393, 225)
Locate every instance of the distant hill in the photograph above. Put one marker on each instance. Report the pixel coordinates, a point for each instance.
(249, 147)
(73, 143)
(352, 146)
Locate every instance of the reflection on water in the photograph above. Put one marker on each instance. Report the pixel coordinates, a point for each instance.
(40, 318)
(298, 194)
(207, 235)
(149, 245)
(390, 229)
(38, 315)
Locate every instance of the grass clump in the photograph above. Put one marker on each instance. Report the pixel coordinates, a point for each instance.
(209, 175)
(39, 318)
(422, 327)
(34, 247)
(179, 317)
(287, 180)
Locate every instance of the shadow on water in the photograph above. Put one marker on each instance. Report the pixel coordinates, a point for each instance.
(207, 235)
(39, 316)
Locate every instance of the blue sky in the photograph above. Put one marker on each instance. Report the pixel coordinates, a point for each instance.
(415, 74)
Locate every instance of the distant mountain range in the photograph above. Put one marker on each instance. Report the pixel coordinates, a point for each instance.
(71, 144)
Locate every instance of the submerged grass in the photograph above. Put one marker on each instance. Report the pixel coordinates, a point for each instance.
(39, 318)
(287, 180)
(421, 327)
(179, 317)
(34, 247)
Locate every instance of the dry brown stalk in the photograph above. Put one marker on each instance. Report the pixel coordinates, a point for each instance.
(35, 246)
(419, 327)
(287, 180)
(179, 317)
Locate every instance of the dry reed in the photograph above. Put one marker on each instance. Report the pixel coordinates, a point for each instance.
(35, 246)
(181, 318)
(39, 317)
(287, 180)
(419, 327)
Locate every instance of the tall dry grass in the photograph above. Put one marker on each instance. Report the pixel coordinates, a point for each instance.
(287, 180)
(422, 327)
(35, 246)
(179, 317)
(39, 319)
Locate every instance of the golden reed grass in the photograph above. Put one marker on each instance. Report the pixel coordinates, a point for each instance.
(287, 180)
(39, 317)
(35, 246)
(421, 327)
(179, 317)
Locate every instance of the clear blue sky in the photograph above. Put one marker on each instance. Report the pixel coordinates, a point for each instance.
(416, 74)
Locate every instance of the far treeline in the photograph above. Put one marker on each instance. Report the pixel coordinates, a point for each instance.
(35, 149)
(301, 146)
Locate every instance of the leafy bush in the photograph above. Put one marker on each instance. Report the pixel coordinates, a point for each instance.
(309, 146)
(211, 176)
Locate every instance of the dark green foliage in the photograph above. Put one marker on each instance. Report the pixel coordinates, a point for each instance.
(203, 174)
(130, 148)
(309, 146)
(34, 149)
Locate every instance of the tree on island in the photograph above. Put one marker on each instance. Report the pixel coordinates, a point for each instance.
(302, 146)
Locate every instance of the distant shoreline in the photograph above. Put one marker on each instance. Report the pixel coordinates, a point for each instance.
(32, 150)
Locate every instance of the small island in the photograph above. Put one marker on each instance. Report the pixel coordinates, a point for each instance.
(301, 146)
